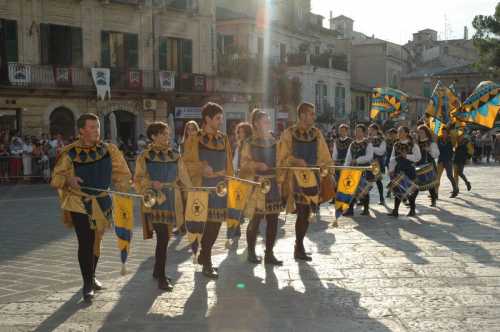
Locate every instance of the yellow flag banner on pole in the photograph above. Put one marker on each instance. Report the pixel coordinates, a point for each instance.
(123, 213)
(348, 183)
(196, 214)
(238, 195)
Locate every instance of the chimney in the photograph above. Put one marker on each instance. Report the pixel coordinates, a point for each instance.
(466, 33)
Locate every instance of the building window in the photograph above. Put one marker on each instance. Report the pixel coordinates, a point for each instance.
(8, 42)
(119, 50)
(321, 98)
(282, 53)
(317, 50)
(224, 43)
(61, 45)
(260, 47)
(176, 55)
(427, 89)
(340, 101)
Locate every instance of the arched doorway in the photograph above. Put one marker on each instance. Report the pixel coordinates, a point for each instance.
(119, 127)
(62, 122)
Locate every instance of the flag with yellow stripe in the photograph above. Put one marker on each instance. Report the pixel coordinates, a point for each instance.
(238, 195)
(123, 213)
(348, 183)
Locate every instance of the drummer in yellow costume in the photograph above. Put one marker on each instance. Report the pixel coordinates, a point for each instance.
(303, 145)
(258, 162)
(89, 163)
(159, 169)
(208, 158)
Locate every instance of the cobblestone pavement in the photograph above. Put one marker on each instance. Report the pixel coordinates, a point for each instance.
(439, 271)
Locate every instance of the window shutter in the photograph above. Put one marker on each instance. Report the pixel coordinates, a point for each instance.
(163, 53)
(105, 51)
(76, 47)
(11, 40)
(44, 43)
(132, 50)
(187, 56)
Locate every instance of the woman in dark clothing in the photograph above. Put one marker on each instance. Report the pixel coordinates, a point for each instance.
(445, 161)
(429, 152)
(462, 154)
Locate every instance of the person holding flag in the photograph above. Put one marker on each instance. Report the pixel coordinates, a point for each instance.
(405, 154)
(360, 153)
(209, 159)
(258, 162)
(85, 164)
(340, 147)
(160, 169)
(376, 138)
(445, 161)
(303, 147)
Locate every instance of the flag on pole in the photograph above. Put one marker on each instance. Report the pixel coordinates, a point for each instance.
(196, 214)
(237, 199)
(348, 183)
(123, 213)
(482, 106)
(443, 102)
(388, 100)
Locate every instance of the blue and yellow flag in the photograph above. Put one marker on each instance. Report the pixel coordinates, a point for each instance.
(436, 126)
(443, 102)
(238, 194)
(347, 185)
(482, 106)
(123, 213)
(388, 100)
(196, 215)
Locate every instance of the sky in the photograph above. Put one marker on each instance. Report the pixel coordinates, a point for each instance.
(396, 21)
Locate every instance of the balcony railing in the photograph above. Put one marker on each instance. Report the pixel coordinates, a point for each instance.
(64, 77)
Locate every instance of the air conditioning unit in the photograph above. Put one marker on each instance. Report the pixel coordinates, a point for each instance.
(149, 104)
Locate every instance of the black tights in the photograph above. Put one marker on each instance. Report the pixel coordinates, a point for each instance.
(411, 199)
(301, 225)
(162, 237)
(380, 188)
(271, 231)
(207, 242)
(86, 240)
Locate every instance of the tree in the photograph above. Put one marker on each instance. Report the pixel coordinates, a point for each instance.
(487, 41)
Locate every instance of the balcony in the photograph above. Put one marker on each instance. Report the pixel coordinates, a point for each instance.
(80, 78)
(327, 61)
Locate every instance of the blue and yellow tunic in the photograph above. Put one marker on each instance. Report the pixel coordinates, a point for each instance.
(342, 146)
(99, 166)
(309, 145)
(160, 163)
(213, 150)
(262, 150)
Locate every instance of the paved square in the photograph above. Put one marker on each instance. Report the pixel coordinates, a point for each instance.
(437, 272)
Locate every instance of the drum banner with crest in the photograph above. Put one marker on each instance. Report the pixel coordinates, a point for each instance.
(196, 214)
(347, 185)
(238, 194)
(123, 214)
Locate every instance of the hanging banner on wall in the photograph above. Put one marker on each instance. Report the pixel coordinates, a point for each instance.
(135, 79)
(167, 80)
(101, 78)
(19, 74)
(62, 75)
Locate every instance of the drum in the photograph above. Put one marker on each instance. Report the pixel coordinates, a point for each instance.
(402, 187)
(426, 177)
(364, 188)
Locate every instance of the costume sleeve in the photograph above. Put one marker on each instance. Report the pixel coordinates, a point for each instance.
(335, 153)
(380, 150)
(191, 160)
(229, 158)
(348, 157)
(63, 170)
(415, 155)
(183, 175)
(120, 174)
(141, 176)
(247, 163)
(392, 161)
(368, 157)
(434, 150)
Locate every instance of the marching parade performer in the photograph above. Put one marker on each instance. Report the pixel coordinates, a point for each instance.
(160, 170)
(360, 153)
(84, 166)
(302, 148)
(258, 162)
(376, 138)
(391, 136)
(445, 161)
(209, 159)
(405, 154)
(427, 174)
(340, 147)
